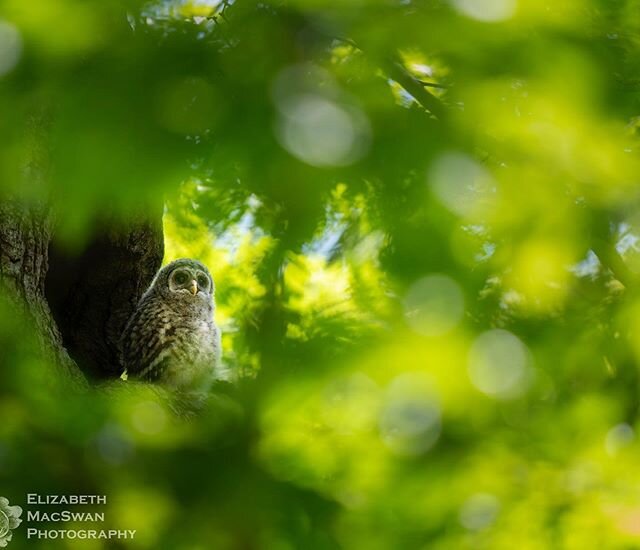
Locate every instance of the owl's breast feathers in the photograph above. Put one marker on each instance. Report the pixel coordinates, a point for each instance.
(173, 343)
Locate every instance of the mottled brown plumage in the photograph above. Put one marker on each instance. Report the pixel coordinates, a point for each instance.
(172, 337)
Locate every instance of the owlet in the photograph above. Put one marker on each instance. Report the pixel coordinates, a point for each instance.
(172, 338)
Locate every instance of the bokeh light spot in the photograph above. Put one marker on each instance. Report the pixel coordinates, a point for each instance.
(486, 10)
(113, 445)
(10, 47)
(317, 123)
(479, 511)
(618, 437)
(410, 418)
(462, 185)
(498, 364)
(434, 305)
(323, 133)
(149, 418)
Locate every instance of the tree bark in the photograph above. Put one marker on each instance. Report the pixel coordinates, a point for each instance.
(79, 303)
(25, 232)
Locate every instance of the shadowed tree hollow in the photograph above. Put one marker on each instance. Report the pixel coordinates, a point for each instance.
(80, 301)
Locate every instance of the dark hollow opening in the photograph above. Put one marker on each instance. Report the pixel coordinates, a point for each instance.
(93, 292)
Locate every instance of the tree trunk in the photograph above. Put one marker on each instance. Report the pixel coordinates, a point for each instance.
(80, 303)
(24, 237)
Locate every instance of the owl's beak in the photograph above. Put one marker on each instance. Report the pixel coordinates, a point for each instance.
(194, 287)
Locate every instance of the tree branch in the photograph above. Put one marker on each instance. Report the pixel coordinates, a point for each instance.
(416, 88)
(610, 259)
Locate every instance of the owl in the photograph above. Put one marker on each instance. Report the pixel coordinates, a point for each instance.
(172, 337)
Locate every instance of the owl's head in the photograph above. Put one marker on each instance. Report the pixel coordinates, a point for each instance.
(185, 277)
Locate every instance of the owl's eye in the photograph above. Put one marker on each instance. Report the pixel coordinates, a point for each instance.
(203, 282)
(180, 277)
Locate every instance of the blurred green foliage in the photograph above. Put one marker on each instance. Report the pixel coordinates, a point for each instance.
(424, 224)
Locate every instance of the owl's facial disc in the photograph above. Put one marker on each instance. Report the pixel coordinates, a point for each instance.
(186, 280)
